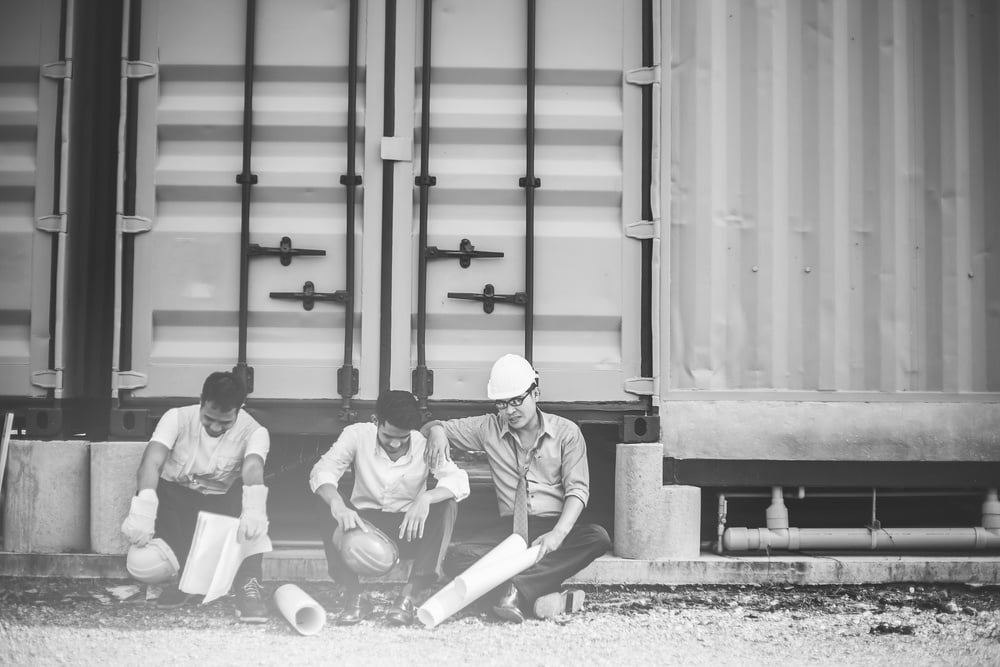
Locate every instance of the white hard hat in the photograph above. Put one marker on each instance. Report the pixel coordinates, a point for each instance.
(154, 563)
(511, 376)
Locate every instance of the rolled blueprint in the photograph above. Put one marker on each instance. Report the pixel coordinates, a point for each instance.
(299, 609)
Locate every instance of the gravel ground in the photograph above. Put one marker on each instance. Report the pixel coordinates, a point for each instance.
(88, 622)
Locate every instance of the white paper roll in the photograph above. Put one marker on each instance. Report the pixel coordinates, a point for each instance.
(509, 558)
(299, 609)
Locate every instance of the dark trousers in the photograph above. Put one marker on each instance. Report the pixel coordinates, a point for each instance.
(427, 552)
(582, 545)
(178, 513)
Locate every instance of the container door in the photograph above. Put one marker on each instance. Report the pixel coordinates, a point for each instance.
(187, 317)
(584, 296)
(34, 88)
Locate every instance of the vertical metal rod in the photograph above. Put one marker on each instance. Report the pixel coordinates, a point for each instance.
(388, 129)
(57, 203)
(529, 191)
(129, 185)
(246, 180)
(646, 183)
(421, 377)
(352, 97)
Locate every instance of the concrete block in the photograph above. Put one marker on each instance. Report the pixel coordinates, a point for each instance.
(653, 521)
(47, 497)
(112, 485)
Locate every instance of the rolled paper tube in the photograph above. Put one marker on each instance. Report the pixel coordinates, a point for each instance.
(505, 560)
(299, 609)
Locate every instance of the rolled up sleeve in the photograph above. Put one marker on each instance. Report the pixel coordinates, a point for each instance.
(575, 470)
(450, 476)
(332, 465)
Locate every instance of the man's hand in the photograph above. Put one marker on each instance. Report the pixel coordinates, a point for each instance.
(436, 452)
(347, 519)
(141, 520)
(549, 542)
(253, 520)
(412, 527)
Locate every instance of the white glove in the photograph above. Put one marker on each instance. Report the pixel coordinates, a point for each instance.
(141, 520)
(253, 520)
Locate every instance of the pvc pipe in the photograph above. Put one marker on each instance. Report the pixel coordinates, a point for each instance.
(300, 610)
(797, 539)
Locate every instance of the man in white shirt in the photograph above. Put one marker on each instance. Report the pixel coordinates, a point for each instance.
(390, 491)
(192, 463)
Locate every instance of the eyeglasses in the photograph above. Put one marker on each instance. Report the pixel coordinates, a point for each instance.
(514, 402)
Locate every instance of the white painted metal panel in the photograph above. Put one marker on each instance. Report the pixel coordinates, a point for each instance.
(586, 154)
(29, 39)
(187, 277)
(832, 197)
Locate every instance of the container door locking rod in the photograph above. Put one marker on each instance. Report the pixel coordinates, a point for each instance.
(347, 375)
(246, 180)
(529, 183)
(422, 379)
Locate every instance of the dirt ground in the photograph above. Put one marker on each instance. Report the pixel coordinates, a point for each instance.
(104, 622)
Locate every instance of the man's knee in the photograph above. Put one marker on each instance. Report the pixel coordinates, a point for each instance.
(596, 536)
(445, 511)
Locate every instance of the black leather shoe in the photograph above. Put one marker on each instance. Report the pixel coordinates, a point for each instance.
(402, 611)
(508, 606)
(357, 608)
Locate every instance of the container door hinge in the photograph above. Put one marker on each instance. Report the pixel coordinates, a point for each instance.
(134, 224)
(643, 76)
(128, 380)
(48, 379)
(53, 224)
(62, 69)
(397, 149)
(138, 69)
(642, 386)
(643, 230)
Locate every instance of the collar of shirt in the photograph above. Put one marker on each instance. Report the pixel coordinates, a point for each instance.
(508, 433)
(402, 460)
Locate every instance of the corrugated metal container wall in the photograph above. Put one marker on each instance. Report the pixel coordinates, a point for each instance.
(33, 130)
(833, 194)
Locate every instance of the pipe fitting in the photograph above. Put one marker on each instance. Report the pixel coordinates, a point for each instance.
(777, 513)
(991, 511)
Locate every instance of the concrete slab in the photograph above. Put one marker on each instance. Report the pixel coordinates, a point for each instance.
(708, 569)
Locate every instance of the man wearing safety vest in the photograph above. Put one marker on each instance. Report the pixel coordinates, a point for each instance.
(538, 462)
(192, 463)
(390, 493)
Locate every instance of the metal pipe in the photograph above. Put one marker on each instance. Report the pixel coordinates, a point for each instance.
(246, 179)
(422, 387)
(805, 539)
(346, 377)
(530, 183)
(388, 170)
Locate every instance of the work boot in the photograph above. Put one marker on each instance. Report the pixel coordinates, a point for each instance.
(402, 611)
(171, 598)
(250, 607)
(558, 603)
(508, 606)
(357, 608)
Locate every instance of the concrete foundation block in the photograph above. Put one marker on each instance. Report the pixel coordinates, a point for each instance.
(47, 497)
(653, 521)
(112, 485)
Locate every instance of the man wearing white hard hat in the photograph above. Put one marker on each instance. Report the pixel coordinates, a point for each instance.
(539, 466)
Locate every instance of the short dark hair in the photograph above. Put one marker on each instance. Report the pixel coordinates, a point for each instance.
(225, 389)
(399, 408)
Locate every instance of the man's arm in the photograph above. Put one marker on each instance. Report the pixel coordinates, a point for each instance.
(347, 518)
(153, 458)
(553, 539)
(325, 478)
(140, 523)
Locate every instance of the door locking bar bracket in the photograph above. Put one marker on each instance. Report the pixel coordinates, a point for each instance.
(310, 296)
(466, 251)
(284, 251)
(490, 298)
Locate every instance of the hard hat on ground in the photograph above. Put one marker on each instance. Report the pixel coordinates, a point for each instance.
(154, 563)
(370, 554)
(511, 376)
